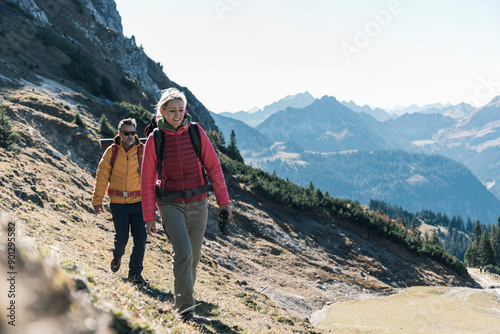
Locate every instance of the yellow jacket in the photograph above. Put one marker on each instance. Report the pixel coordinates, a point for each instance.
(125, 175)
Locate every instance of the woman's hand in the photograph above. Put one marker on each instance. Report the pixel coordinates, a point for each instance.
(228, 209)
(151, 228)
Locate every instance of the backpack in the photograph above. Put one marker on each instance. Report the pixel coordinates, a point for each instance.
(159, 139)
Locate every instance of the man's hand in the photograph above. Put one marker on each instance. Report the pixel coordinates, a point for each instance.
(98, 209)
(151, 228)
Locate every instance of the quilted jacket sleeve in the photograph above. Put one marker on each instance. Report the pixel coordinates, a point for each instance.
(213, 168)
(148, 180)
(102, 178)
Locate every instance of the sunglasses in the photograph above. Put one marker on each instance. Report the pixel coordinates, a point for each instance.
(128, 133)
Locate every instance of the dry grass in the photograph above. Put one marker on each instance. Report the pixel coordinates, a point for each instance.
(417, 310)
(50, 204)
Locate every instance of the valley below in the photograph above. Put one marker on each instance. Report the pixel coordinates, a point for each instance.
(420, 309)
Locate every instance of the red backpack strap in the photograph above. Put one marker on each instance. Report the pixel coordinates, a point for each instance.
(114, 152)
(140, 149)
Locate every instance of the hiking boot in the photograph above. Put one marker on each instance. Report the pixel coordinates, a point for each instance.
(186, 316)
(137, 279)
(115, 264)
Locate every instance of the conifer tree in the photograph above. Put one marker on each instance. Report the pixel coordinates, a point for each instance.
(318, 196)
(434, 240)
(486, 254)
(461, 226)
(233, 151)
(7, 136)
(413, 224)
(495, 242)
(471, 256)
(476, 238)
(311, 186)
(105, 128)
(79, 121)
(469, 226)
(222, 140)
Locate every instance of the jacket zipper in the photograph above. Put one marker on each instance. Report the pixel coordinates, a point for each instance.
(180, 161)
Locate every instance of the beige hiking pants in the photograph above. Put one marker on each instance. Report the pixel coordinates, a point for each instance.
(185, 225)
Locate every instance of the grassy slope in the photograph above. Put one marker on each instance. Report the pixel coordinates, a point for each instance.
(50, 202)
(275, 256)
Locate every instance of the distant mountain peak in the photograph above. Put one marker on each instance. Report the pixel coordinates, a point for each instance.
(329, 98)
(253, 110)
(299, 100)
(380, 114)
(255, 116)
(306, 94)
(495, 102)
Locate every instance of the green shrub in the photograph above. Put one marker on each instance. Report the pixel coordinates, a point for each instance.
(128, 110)
(493, 269)
(130, 83)
(105, 128)
(79, 121)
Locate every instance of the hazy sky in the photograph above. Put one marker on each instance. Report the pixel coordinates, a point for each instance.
(237, 54)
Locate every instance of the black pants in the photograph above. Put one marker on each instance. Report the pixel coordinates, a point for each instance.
(128, 217)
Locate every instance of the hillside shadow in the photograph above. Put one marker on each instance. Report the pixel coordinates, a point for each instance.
(154, 292)
(203, 315)
(205, 312)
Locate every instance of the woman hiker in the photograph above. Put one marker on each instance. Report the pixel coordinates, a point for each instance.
(181, 204)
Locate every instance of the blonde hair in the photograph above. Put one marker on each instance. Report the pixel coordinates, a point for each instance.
(168, 95)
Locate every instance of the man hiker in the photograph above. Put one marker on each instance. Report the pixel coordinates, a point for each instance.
(119, 172)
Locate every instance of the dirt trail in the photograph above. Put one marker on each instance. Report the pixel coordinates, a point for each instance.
(489, 282)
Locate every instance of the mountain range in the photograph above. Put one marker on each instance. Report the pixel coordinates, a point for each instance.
(256, 116)
(307, 149)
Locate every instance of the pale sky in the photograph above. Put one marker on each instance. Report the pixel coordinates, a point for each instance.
(237, 54)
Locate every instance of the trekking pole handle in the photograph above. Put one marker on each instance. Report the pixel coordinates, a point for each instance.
(223, 220)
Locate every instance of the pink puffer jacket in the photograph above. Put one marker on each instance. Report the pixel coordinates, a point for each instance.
(181, 170)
